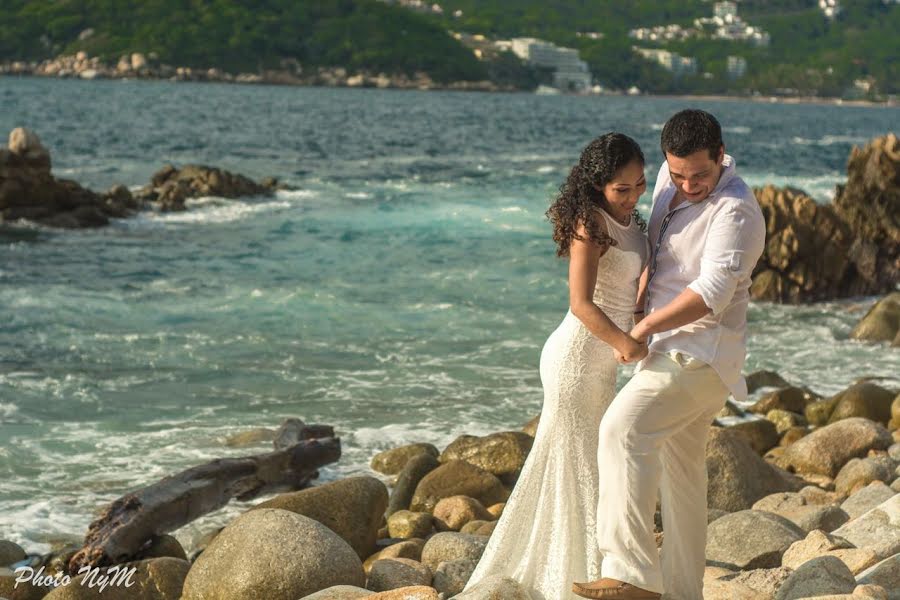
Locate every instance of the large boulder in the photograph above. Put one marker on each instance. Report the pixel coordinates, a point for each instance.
(819, 543)
(867, 498)
(877, 529)
(29, 191)
(886, 574)
(860, 472)
(454, 512)
(450, 545)
(750, 539)
(170, 187)
(392, 461)
(738, 476)
(817, 577)
(352, 507)
(761, 434)
(500, 453)
(392, 573)
(274, 554)
(866, 400)
(792, 399)
(457, 478)
(826, 450)
(847, 248)
(881, 323)
(152, 579)
(408, 480)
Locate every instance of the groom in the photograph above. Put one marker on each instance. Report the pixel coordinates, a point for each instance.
(707, 233)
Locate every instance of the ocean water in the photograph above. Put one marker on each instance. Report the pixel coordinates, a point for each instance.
(402, 293)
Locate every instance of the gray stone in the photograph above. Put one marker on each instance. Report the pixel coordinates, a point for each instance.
(498, 453)
(812, 517)
(392, 461)
(750, 539)
(153, 579)
(886, 574)
(416, 468)
(826, 450)
(859, 472)
(878, 529)
(817, 577)
(764, 581)
(450, 545)
(340, 592)
(867, 498)
(407, 524)
(451, 576)
(10, 553)
(738, 476)
(274, 554)
(392, 573)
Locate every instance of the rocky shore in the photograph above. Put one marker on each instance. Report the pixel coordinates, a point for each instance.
(291, 72)
(28, 190)
(804, 501)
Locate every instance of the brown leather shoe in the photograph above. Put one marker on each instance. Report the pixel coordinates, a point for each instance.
(612, 589)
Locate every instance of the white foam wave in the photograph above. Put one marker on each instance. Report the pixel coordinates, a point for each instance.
(829, 140)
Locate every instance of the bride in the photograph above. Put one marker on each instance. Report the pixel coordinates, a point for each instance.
(545, 537)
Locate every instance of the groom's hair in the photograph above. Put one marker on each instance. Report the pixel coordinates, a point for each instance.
(689, 131)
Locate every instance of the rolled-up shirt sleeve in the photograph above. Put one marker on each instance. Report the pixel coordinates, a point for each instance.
(735, 242)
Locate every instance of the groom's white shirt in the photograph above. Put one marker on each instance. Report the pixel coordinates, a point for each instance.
(710, 247)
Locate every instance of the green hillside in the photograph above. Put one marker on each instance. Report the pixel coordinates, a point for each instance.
(239, 35)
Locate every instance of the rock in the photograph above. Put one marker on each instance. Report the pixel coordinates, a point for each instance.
(792, 399)
(531, 426)
(411, 549)
(170, 187)
(162, 546)
(869, 203)
(454, 512)
(886, 574)
(248, 438)
(784, 420)
(722, 589)
(872, 592)
(818, 413)
(496, 510)
(882, 322)
(792, 435)
(867, 498)
(21, 591)
(860, 472)
(495, 587)
(451, 576)
(274, 554)
(779, 502)
(764, 581)
(826, 450)
(153, 579)
(878, 529)
(761, 379)
(817, 577)
(816, 495)
(865, 400)
(450, 545)
(391, 462)
(407, 481)
(761, 434)
(738, 477)
(10, 553)
(455, 478)
(27, 145)
(408, 524)
(391, 573)
(750, 539)
(352, 507)
(415, 592)
(138, 61)
(811, 517)
(340, 592)
(816, 543)
(498, 453)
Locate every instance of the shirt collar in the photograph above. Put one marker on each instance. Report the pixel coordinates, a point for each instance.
(728, 174)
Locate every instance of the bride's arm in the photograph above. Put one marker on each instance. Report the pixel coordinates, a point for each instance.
(640, 303)
(584, 256)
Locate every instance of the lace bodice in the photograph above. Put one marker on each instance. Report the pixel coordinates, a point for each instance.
(620, 267)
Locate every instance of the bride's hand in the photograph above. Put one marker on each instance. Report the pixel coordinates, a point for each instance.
(631, 351)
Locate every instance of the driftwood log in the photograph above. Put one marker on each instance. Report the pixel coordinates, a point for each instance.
(130, 522)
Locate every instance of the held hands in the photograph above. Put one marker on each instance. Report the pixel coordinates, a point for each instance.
(630, 350)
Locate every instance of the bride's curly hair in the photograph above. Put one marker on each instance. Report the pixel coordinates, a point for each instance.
(581, 193)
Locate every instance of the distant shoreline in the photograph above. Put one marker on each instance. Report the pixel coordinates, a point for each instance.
(463, 86)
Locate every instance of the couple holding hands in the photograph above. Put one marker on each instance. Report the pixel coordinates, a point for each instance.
(670, 296)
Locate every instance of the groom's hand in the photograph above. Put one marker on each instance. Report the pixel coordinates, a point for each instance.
(632, 351)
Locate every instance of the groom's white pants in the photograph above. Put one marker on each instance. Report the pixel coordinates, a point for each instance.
(653, 438)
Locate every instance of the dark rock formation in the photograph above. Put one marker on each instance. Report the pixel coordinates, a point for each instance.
(170, 186)
(848, 248)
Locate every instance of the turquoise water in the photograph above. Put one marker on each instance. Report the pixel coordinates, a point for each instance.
(401, 294)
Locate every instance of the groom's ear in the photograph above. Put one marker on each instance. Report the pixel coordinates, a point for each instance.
(721, 156)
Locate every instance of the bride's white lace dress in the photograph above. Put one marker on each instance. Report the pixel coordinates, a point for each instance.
(545, 538)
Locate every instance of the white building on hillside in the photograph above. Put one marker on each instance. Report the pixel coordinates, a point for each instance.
(570, 73)
(677, 64)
